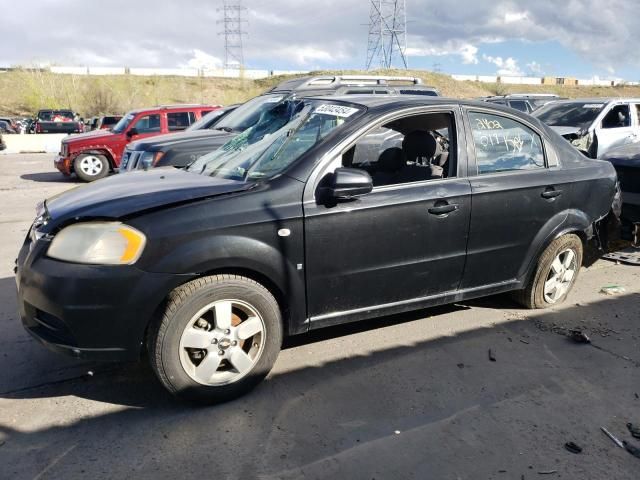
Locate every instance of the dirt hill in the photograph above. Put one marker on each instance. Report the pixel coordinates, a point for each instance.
(24, 92)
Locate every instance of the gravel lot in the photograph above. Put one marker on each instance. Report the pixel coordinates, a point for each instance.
(411, 396)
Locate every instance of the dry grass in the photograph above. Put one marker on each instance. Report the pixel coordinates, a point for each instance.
(24, 92)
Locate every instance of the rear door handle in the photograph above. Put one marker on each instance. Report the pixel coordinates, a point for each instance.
(443, 209)
(551, 193)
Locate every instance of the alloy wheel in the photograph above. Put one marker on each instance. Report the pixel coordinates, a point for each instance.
(560, 276)
(222, 342)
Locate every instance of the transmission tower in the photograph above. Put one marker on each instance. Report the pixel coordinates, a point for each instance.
(387, 41)
(233, 25)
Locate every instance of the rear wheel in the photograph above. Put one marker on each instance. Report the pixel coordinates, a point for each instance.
(90, 166)
(218, 338)
(555, 274)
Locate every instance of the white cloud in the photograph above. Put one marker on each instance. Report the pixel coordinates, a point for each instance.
(203, 60)
(507, 67)
(535, 68)
(512, 17)
(467, 52)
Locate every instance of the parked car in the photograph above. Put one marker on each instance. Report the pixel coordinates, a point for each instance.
(626, 161)
(135, 159)
(594, 125)
(271, 236)
(58, 121)
(107, 122)
(92, 155)
(11, 123)
(181, 150)
(525, 102)
(6, 127)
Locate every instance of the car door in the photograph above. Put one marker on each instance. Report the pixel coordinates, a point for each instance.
(516, 189)
(616, 128)
(406, 240)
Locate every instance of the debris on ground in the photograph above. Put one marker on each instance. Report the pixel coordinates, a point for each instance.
(547, 472)
(632, 449)
(613, 290)
(610, 435)
(492, 357)
(460, 365)
(630, 256)
(524, 341)
(573, 447)
(579, 336)
(634, 429)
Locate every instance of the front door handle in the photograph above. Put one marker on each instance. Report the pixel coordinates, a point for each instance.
(550, 193)
(443, 209)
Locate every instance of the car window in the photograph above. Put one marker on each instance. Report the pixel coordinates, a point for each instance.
(637, 108)
(503, 144)
(148, 124)
(519, 105)
(618, 117)
(411, 149)
(177, 121)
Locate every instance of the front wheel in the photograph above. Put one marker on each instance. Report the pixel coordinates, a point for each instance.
(90, 167)
(555, 274)
(218, 338)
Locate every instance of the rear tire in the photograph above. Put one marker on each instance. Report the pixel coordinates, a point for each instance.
(555, 274)
(218, 337)
(90, 167)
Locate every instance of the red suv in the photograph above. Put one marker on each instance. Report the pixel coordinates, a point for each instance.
(93, 154)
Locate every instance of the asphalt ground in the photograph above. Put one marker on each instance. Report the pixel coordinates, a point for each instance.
(414, 396)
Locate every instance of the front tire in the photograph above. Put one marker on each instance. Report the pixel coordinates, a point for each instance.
(555, 274)
(90, 167)
(218, 338)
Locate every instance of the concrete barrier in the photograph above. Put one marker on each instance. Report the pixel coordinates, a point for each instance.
(36, 143)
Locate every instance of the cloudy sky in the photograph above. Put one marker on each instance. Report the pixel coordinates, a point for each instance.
(579, 38)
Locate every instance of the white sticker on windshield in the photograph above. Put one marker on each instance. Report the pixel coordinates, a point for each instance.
(592, 105)
(336, 110)
(273, 99)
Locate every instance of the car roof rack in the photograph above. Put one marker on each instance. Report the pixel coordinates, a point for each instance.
(336, 81)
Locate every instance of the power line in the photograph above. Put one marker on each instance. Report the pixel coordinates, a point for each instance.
(387, 40)
(233, 24)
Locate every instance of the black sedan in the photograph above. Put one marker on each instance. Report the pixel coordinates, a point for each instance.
(352, 208)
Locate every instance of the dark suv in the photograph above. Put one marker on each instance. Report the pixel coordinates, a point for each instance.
(525, 102)
(182, 149)
(353, 208)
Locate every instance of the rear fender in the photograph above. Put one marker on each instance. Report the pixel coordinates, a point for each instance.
(567, 221)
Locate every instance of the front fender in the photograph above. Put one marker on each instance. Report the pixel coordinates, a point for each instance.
(266, 263)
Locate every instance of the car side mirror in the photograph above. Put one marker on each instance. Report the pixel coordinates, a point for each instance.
(345, 184)
(131, 132)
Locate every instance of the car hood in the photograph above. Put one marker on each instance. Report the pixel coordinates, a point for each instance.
(217, 137)
(122, 195)
(94, 134)
(566, 130)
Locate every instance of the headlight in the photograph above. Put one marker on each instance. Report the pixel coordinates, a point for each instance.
(149, 159)
(98, 243)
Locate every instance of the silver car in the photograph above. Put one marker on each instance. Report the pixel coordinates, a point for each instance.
(594, 125)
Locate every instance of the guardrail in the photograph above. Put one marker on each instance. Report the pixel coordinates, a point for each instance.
(36, 143)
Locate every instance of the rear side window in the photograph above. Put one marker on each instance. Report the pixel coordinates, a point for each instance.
(148, 124)
(177, 121)
(519, 105)
(503, 144)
